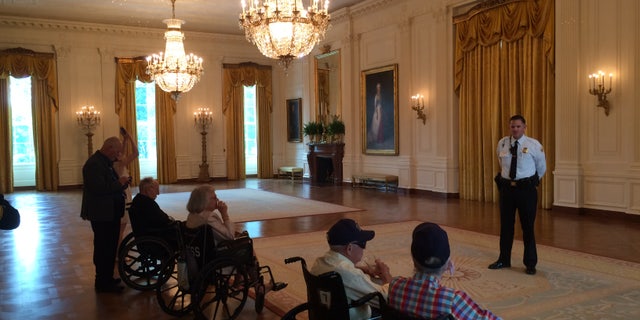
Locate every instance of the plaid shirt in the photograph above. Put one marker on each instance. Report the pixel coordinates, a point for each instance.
(423, 296)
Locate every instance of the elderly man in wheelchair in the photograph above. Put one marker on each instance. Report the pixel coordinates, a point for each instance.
(147, 218)
(146, 254)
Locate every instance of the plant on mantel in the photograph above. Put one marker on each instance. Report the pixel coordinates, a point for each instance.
(313, 130)
(335, 129)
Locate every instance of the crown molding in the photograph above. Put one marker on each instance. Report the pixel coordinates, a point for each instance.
(360, 9)
(72, 26)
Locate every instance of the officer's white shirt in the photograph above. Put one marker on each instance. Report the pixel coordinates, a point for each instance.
(531, 159)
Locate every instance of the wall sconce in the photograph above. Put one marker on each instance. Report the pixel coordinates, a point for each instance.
(203, 119)
(417, 104)
(88, 119)
(597, 88)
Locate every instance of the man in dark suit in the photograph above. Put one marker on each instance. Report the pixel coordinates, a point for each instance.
(103, 201)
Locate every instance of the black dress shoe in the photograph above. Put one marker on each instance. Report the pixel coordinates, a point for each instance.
(530, 270)
(112, 288)
(499, 265)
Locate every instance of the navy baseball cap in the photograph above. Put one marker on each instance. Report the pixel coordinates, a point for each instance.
(347, 231)
(430, 245)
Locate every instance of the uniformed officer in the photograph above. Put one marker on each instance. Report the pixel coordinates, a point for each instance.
(522, 164)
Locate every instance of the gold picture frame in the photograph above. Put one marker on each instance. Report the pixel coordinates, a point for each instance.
(379, 98)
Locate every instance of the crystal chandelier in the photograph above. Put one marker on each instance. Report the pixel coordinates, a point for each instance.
(174, 71)
(283, 29)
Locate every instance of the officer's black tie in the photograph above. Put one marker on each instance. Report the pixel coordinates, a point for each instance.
(514, 161)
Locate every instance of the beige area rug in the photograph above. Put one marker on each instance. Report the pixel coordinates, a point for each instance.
(251, 205)
(568, 285)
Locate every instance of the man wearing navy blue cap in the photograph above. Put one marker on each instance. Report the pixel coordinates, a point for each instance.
(347, 242)
(423, 296)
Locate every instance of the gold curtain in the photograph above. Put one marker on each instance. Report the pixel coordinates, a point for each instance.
(165, 137)
(128, 70)
(6, 163)
(41, 67)
(235, 77)
(504, 65)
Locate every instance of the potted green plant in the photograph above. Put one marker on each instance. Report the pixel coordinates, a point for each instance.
(313, 130)
(336, 129)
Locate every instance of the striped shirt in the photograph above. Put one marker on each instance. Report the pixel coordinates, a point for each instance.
(422, 296)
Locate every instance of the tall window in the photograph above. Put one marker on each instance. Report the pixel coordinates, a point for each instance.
(250, 137)
(24, 157)
(146, 126)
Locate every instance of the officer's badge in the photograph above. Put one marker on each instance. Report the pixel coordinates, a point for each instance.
(525, 150)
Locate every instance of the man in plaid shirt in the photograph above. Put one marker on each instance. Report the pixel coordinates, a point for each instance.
(422, 295)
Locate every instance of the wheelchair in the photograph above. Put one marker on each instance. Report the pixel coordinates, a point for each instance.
(327, 299)
(212, 281)
(145, 262)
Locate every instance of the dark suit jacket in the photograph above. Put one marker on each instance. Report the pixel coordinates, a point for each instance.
(102, 194)
(9, 216)
(146, 216)
(147, 219)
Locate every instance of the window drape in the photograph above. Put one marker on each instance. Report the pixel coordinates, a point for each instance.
(6, 161)
(41, 67)
(128, 70)
(504, 65)
(235, 77)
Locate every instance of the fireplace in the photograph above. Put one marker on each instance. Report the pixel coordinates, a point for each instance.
(325, 162)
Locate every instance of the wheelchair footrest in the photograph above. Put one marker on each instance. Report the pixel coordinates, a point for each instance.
(279, 286)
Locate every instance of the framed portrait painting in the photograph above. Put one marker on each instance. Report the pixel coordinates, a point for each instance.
(294, 120)
(380, 110)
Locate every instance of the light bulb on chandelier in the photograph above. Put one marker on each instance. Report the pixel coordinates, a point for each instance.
(283, 29)
(174, 71)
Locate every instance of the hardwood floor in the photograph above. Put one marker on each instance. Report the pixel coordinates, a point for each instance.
(48, 272)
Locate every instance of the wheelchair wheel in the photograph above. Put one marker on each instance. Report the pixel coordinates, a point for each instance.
(126, 240)
(145, 263)
(260, 293)
(172, 298)
(222, 290)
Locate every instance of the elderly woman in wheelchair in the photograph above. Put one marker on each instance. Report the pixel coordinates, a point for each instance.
(205, 208)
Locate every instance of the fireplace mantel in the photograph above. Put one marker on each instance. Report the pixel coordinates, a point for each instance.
(325, 162)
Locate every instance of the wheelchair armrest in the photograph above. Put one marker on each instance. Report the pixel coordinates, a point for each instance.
(174, 226)
(243, 234)
(366, 298)
(291, 315)
(296, 259)
(292, 260)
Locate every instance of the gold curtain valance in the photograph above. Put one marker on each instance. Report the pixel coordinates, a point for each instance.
(129, 70)
(246, 74)
(508, 22)
(20, 63)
